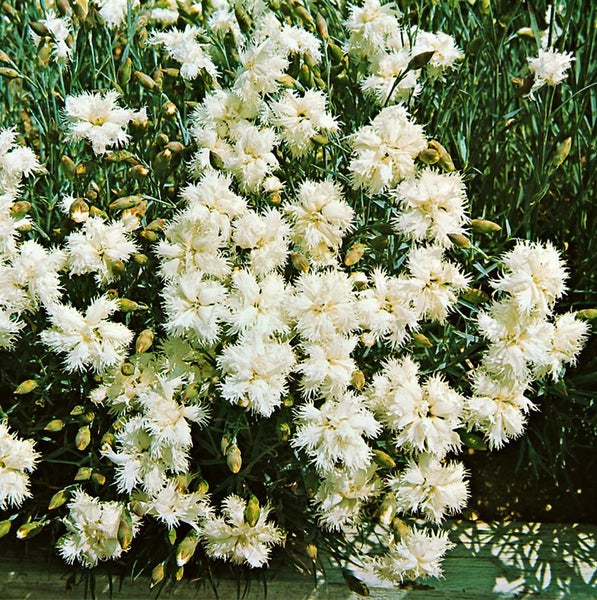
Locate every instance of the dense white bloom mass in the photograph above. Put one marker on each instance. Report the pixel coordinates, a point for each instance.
(98, 119)
(90, 340)
(92, 530)
(370, 25)
(232, 538)
(17, 459)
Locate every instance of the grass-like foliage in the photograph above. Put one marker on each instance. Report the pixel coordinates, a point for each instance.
(267, 269)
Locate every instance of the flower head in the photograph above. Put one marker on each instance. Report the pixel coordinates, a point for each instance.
(98, 119)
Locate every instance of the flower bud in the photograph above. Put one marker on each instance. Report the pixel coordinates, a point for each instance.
(157, 574)
(400, 527)
(283, 431)
(354, 255)
(128, 305)
(445, 160)
(125, 529)
(98, 478)
(125, 71)
(387, 509)
(459, 240)
(589, 314)
(561, 153)
(252, 511)
(474, 296)
(321, 26)
(139, 172)
(484, 226)
(383, 459)
(28, 530)
(63, 7)
(358, 379)
(83, 438)
(429, 156)
(83, 474)
(311, 552)
(20, 208)
(172, 536)
(79, 210)
(26, 387)
(419, 60)
(54, 425)
(127, 368)
(170, 108)
(186, 549)
(81, 9)
(161, 162)
(354, 584)
(421, 341)
(125, 202)
(4, 527)
(145, 80)
(94, 211)
(202, 486)
(140, 258)
(144, 341)
(234, 458)
(299, 261)
(58, 499)
(179, 574)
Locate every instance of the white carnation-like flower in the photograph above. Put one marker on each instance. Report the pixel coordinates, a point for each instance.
(232, 538)
(92, 530)
(89, 340)
(18, 458)
(16, 162)
(549, 67)
(98, 119)
(335, 434)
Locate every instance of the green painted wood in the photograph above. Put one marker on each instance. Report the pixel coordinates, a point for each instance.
(519, 560)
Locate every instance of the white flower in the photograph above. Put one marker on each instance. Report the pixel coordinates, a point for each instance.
(498, 408)
(323, 305)
(549, 67)
(213, 191)
(255, 373)
(534, 275)
(385, 311)
(444, 48)
(134, 462)
(256, 305)
(431, 206)
(90, 340)
(429, 486)
(35, 271)
(424, 417)
(266, 237)
(252, 158)
(416, 554)
(320, 219)
(569, 336)
(17, 458)
(296, 40)
(194, 307)
(384, 151)
(224, 20)
(16, 162)
(231, 538)
(59, 29)
(172, 505)
(195, 240)
(516, 339)
(334, 435)
(9, 327)
(369, 27)
(387, 69)
(166, 419)
(341, 495)
(300, 119)
(98, 119)
(92, 530)
(327, 368)
(262, 66)
(100, 248)
(10, 224)
(114, 12)
(165, 16)
(183, 47)
(434, 283)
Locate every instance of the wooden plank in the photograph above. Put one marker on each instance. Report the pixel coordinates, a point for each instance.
(490, 560)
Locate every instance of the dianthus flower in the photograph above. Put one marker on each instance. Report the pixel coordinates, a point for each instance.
(549, 67)
(17, 458)
(232, 538)
(98, 119)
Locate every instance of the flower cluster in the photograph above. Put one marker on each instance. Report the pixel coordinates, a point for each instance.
(262, 293)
